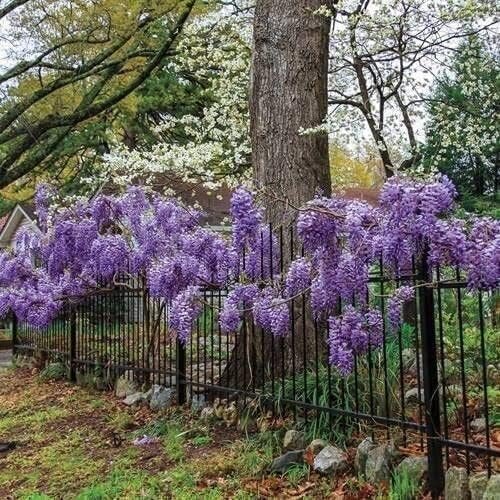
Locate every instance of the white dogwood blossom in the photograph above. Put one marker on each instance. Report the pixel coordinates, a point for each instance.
(215, 148)
(385, 58)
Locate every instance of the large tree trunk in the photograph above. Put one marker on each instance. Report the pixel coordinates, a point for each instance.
(289, 92)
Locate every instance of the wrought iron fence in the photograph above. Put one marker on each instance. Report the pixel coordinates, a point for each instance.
(434, 385)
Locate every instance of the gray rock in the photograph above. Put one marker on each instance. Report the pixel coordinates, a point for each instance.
(207, 413)
(409, 356)
(478, 425)
(161, 398)
(412, 396)
(493, 489)
(456, 484)
(125, 385)
(379, 462)
(135, 399)
(362, 454)
(294, 440)
(415, 467)
(316, 445)
(281, 464)
(477, 485)
(198, 402)
(330, 460)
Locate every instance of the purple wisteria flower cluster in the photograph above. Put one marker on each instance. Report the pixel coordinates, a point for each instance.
(165, 243)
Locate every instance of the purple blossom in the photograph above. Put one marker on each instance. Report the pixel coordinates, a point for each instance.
(109, 255)
(482, 256)
(240, 297)
(340, 354)
(317, 226)
(186, 307)
(271, 312)
(171, 275)
(353, 333)
(395, 304)
(246, 219)
(163, 240)
(298, 278)
(43, 197)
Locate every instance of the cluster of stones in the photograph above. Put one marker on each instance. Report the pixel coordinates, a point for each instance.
(460, 486)
(372, 462)
(158, 397)
(377, 463)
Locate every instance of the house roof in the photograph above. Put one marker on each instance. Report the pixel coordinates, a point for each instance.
(370, 195)
(3, 220)
(20, 213)
(214, 203)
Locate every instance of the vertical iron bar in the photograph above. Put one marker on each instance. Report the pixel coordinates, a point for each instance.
(442, 354)
(181, 372)
(484, 375)
(72, 346)
(431, 383)
(15, 327)
(463, 375)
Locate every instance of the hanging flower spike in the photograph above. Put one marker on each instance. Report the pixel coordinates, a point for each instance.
(246, 219)
(185, 309)
(395, 304)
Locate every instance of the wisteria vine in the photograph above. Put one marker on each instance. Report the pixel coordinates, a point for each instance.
(92, 243)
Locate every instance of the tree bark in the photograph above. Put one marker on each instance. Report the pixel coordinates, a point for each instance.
(289, 91)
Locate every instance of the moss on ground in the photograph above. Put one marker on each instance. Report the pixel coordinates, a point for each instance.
(77, 444)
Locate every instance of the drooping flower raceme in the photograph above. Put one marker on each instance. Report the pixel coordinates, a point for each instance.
(401, 296)
(165, 243)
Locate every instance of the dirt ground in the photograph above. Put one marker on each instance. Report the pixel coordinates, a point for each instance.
(73, 442)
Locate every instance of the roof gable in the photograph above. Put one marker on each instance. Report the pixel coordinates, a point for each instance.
(17, 217)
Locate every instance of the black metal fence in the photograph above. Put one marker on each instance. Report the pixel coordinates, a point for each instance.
(434, 386)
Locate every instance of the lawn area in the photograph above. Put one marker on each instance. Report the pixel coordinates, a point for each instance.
(73, 442)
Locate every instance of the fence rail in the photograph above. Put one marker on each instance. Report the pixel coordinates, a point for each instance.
(434, 385)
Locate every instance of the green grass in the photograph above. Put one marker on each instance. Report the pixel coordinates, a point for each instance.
(199, 441)
(257, 452)
(404, 486)
(124, 484)
(325, 387)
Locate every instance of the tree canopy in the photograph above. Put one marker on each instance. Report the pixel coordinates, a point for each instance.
(463, 133)
(72, 64)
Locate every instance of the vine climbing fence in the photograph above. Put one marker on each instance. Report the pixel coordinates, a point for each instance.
(434, 385)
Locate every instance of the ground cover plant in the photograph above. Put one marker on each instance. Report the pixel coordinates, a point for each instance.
(74, 442)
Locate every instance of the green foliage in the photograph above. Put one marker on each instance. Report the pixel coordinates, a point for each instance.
(404, 486)
(103, 67)
(54, 371)
(297, 473)
(324, 386)
(200, 441)
(5, 205)
(257, 452)
(464, 128)
(124, 484)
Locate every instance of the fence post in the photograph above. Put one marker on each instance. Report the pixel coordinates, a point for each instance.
(72, 345)
(430, 382)
(181, 372)
(14, 334)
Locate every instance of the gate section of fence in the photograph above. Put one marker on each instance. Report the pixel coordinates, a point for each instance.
(433, 386)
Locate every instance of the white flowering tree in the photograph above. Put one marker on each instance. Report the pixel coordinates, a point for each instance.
(384, 56)
(463, 134)
(212, 145)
